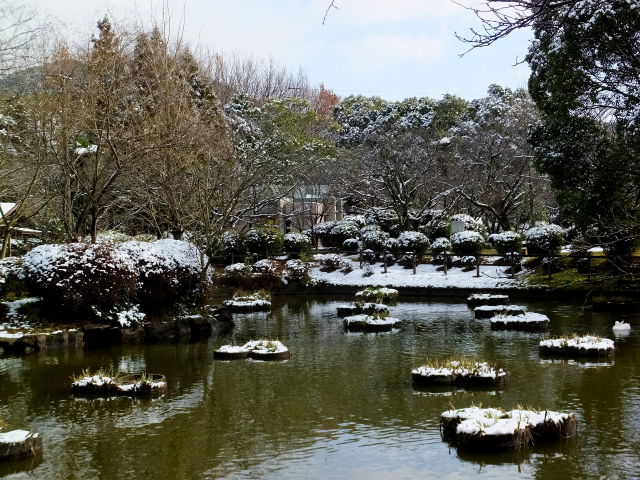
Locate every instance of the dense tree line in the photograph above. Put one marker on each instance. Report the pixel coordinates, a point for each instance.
(137, 133)
(585, 69)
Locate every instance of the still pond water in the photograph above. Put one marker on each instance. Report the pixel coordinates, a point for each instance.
(342, 407)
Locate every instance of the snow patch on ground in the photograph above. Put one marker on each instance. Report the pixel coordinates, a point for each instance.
(426, 276)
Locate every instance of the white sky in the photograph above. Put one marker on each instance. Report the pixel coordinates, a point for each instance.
(390, 48)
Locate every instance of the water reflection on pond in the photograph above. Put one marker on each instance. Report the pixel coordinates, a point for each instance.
(343, 406)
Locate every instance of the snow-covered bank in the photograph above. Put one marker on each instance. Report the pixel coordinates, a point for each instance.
(427, 276)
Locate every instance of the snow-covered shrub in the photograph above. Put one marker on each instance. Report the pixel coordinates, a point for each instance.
(296, 242)
(406, 260)
(413, 242)
(369, 256)
(232, 242)
(168, 271)
(367, 269)
(332, 261)
(124, 316)
(237, 272)
(73, 277)
(266, 240)
(470, 223)
(339, 232)
(10, 275)
(390, 257)
(267, 268)
(434, 224)
(440, 245)
(385, 218)
(373, 238)
(392, 245)
(467, 242)
(466, 261)
(436, 228)
(351, 245)
(357, 220)
(295, 270)
(506, 242)
(544, 239)
(319, 231)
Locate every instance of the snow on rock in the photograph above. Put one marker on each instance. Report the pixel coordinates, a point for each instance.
(16, 436)
(621, 326)
(233, 349)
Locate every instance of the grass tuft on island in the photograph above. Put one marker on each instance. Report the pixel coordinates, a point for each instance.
(108, 382)
(385, 295)
(249, 301)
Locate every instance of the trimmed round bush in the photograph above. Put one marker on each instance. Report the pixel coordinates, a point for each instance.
(413, 241)
(339, 232)
(267, 268)
(296, 243)
(232, 242)
(544, 239)
(373, 238)
(267, 240)
(295, 271)
(168, 271)
(319, 231)
(506, 242)
(440, 245)
(369, 256)
(351, 245)
(332, 261)
(467, 243)
(237, 272)
(74, 277)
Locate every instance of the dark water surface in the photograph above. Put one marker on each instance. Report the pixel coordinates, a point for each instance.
(342, 407)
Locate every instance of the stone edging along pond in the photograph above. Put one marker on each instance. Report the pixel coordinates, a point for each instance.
(183, 328)
(455, 292)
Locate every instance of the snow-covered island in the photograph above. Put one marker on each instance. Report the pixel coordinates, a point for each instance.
(478, 299)
(370, 323)
(459, 372)
(488, 429)
(528, 322)
(255, 349)
(18, 444)
(366, 308)
(488, 311)
(249, 302)
(585, 346)
(104, 383)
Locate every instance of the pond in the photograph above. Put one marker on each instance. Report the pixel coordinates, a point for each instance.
(342, 406)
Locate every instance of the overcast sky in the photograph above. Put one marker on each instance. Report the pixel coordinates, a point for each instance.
(390, 48)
